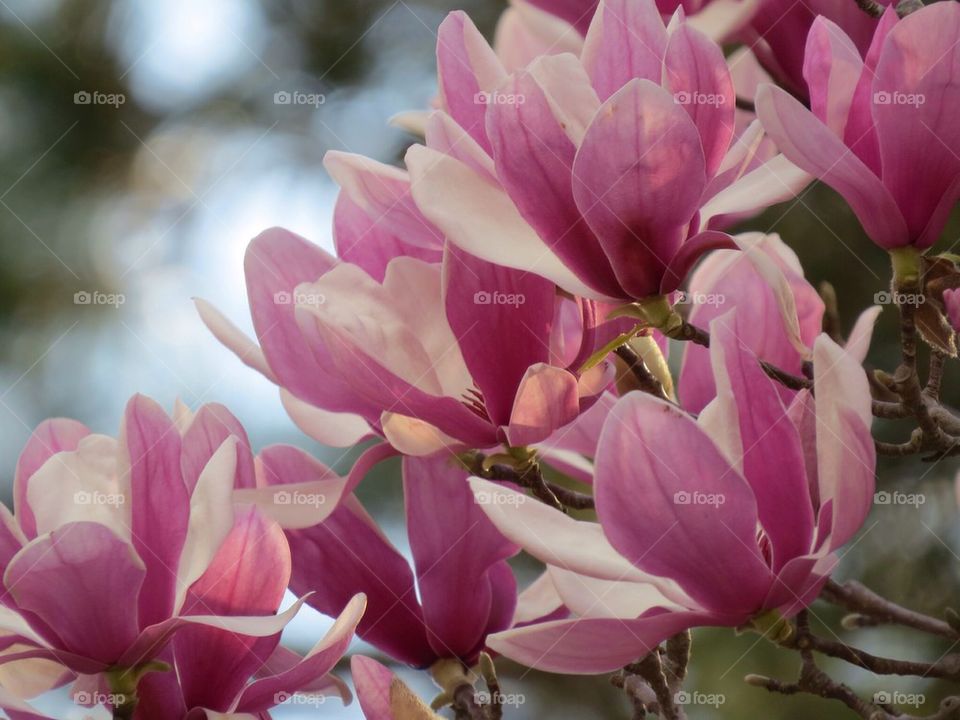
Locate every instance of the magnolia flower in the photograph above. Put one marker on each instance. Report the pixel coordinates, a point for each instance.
(727, 520)
(951, 302)
(459, 589)
(881, 129)
(784, 312)
(458, 354)
(777, 32)
(126, 558)
(601, 172)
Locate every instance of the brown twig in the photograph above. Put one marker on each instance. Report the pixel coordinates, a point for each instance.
(858, 598)
(646, 380)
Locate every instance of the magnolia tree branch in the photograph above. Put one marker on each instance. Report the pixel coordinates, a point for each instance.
(863, 601)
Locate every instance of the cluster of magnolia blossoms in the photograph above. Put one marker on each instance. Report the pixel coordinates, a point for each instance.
(503, 305)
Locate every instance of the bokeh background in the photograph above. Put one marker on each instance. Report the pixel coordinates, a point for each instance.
(151, 191)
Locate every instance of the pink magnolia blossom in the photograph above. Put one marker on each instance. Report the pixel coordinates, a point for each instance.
(124, 553)
(767, 287)
(729, 519)
(601, 172)
(777, 33)
(459, 589)
(951, 303)
(462, 353)
(881, 129)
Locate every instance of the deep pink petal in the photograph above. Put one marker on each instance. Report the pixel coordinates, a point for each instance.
(638, 178)
(467, 68)
(671, 504)
(49, 437)
(626, 40)
(485, 302)
(81, 583)
(248, 576)
(373, 683)
(697, 73)
(160, 503)
(916, 99)
(454, 549)
(769, 451)
(688, 255)
(534, 156)
(211, 425)
(276, 262)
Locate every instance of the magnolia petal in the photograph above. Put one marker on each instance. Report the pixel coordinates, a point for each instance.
(327, 428)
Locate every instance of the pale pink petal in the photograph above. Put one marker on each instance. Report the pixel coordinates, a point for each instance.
(809, 144)
(591, 646)
(233, 338)
(847, 459)
(261, 695)
(383, 192)
(212, 425)
(327, 428)
(479, 217)
(547, 399)
(49, 437)
(832, 66)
